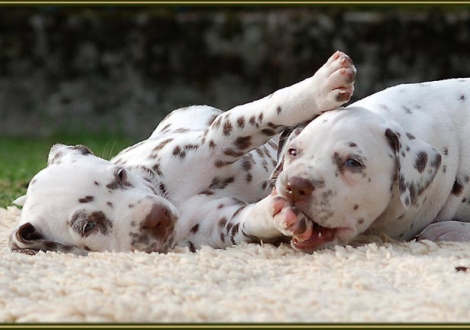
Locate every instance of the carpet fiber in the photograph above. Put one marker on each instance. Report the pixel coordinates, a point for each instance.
(375, 280)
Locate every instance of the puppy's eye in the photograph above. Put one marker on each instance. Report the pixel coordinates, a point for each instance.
(88, 226)
(351, 162)
(292, 151)
(121, 174)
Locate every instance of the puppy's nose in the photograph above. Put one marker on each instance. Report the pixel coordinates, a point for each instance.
(158, 220)
(299, 189)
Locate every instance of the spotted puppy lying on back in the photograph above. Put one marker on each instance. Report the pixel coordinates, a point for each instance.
(395, 163)
(195, 181)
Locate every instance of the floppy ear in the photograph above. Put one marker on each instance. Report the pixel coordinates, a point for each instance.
(20, 200)
(417, 164)
(60, 152)
(26, 239)
(286, 136)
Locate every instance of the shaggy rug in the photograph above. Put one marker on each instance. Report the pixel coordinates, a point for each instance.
(375, 280)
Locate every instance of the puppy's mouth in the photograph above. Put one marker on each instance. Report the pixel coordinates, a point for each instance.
(309, 235)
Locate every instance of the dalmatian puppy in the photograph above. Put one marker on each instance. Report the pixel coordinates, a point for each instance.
(195, 181)
(394, 163)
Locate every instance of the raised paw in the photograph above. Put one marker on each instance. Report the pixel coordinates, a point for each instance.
(446, 231)
(288, 220)
(334, 82)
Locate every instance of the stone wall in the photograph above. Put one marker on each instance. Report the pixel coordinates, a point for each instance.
(121, 69)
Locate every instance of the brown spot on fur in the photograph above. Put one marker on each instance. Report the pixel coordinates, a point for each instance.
(218, 183)
(241, 122)
(176, 151)
(86, 199)
(243, 142)
(228, 127)
(222, 222)
(268, 131)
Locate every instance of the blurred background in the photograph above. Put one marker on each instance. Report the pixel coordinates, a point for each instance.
(120, 69)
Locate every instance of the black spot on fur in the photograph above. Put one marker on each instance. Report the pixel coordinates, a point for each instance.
(278, 110)
(421, 161)
(393, 139)
(195, 229)
(462, 98)
(457, 188)
(84, 150)
(191, 246)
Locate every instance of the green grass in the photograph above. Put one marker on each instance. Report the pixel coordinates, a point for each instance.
(22, 158)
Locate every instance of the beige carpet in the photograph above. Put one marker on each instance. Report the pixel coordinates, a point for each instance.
(372, 282)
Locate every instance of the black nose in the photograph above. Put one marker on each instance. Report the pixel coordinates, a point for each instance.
(299, 189)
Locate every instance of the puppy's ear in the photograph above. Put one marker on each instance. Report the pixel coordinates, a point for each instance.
(417, 163)
(20, 200)
(286, 136)
(28, 240)
(60, 152)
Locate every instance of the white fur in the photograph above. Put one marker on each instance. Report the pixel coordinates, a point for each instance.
(191, 183)
(393, 192)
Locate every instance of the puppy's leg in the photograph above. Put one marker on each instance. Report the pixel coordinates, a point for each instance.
(225, 222)
(246, 127)
(446, 231)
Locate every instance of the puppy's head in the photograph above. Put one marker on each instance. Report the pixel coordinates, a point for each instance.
(341, 170)
(82, 203)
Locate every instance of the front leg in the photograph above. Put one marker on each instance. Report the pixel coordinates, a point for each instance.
(446, 231)
(225, 221)
(246, 127)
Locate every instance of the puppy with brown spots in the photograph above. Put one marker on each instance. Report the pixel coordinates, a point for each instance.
(195, 181)
(395, 163)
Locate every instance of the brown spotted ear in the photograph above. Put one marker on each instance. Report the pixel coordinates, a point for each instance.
(417, 163)
(286, 136)
(59, 152)
(28, 240)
